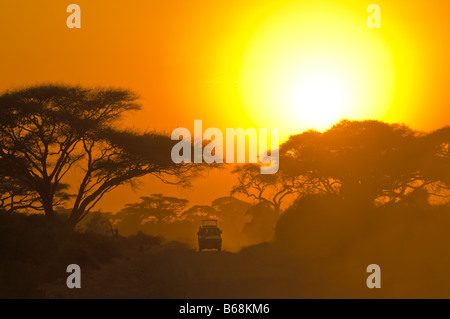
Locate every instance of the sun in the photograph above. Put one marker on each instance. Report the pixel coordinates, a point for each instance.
(316, 95)
(310, 64)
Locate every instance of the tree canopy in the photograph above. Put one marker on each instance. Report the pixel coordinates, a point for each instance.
(48, 130)
(370, 160)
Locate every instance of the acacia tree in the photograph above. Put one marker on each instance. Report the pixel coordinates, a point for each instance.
(268, 188)
(149, 213)
(197, 213)
(370, 161)
(14, 196)
(49, 130)
(272, 189)
(155, 207)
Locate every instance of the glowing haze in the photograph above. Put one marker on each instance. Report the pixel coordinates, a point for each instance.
(315, 64)
(294, 65)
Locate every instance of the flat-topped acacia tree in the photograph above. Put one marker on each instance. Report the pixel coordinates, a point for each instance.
(371, 161)
(48, 130)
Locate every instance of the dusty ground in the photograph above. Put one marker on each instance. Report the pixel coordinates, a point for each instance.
(174, 271)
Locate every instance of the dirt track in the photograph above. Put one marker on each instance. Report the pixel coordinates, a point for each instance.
(175, 271)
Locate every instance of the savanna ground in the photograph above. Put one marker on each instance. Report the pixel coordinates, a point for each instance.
(312, 256)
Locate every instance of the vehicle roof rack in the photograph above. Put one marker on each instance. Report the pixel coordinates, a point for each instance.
(209, 220)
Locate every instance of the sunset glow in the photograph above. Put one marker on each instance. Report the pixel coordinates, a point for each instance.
(292, 65)
(316, 65)
(227, 155)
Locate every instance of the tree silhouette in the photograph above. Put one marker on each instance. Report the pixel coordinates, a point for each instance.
(197, 213)
(15, 196)
(268, 188)
(230, 206)
(156, 207)
(369, 161)
(149, 213)
(47, 130)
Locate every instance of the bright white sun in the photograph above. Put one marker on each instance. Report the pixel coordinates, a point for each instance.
(307, 66)
(315, 96)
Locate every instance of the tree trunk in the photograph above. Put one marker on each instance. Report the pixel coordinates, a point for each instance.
(47, 203)
(74, 218)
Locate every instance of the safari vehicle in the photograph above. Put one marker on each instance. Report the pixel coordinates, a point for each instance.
(209, 235)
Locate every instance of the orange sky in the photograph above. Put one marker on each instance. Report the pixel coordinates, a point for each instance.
(185, 59)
